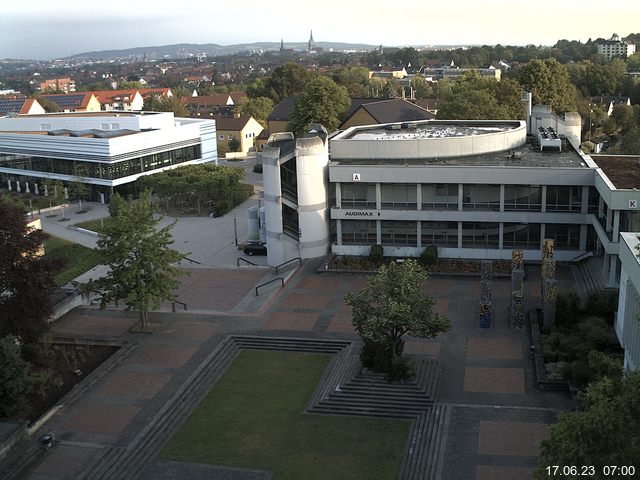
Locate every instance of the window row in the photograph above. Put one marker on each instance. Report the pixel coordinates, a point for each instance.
(474, 234)
(103, 170)
(445, 196)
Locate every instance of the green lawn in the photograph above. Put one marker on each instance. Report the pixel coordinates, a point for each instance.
(254, 418)
(77, 258)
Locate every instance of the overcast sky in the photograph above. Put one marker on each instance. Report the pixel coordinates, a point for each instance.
(39, 29)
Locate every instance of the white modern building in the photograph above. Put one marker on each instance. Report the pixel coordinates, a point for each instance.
(614, 47)
(106, 150)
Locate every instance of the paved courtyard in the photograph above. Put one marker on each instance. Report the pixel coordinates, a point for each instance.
(498, 414)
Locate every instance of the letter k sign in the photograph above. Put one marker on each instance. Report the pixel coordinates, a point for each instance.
(633, 203)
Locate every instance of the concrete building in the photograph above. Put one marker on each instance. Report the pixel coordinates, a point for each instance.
(65, 85)
(614, 47)
(627, 325)
(108, 151)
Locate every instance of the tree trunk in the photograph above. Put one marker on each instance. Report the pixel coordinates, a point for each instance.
(144, 320)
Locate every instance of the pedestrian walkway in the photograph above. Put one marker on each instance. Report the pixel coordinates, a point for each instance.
(494, 416)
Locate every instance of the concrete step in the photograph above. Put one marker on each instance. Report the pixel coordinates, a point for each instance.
(367, 411)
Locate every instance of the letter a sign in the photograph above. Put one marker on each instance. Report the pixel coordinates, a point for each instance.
(355, 177)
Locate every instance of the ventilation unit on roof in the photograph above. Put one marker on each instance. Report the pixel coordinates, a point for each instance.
(549, 139)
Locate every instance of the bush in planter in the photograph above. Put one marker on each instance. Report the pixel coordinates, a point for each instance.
(568, 309)
(376, 253)
(602, 304)
(429, 255)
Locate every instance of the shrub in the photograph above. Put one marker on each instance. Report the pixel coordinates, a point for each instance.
(376, 253)
(567, 309)
(401, 368)
(602, 304)
(429, 255)
(257, 168)
(13, 376)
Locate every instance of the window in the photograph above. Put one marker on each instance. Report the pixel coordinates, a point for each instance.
(564, 199)
(566, 237)
(290, 225)
(361, 195)
(399, 195)
(442, 234)
(522, 198)
(440, 196)
(358, 232)
(480, 235)
(399, 233)
(221, 137)
(481, 197)
(521, 235)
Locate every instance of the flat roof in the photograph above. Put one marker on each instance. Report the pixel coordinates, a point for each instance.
(430, 129)
(88, 114)
(525, 156)
(622, 170)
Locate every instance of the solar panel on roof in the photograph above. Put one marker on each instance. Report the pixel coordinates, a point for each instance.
(66, 101)
(11, 105)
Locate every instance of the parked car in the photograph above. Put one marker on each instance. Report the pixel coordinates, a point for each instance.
(255, 248)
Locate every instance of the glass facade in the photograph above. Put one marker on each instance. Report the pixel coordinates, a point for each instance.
(101, 170)
(442, 234)
(399, 195)
(566, 237)
(290, 224)
(399, 233)
(521, 235)
(289, 179)
(440, 196)
(518, 198)
(361, 195)
(356, 232)
(564, 199)
(481, 197)
(480, 235)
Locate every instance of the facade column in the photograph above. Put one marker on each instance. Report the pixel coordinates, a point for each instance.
(543, 198)
(338, 195)
(460, 196)
(583, 238)
(378, 232)
(339, 232)
(459, 235)
(419, 197)
(613, 271)
(419, 234)
(584, 209)
(616, 225)
(378, 198)
(609, 215)
(605, 263)
(501, 230)
(501, 209)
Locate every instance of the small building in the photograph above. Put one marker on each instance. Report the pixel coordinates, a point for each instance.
(74, 102)
(65, 85)
(245, 129)
(386, 111)
(119, 100)
(211, 105)
(20, 106)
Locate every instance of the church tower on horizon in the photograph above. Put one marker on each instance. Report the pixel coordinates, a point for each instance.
(311, 43)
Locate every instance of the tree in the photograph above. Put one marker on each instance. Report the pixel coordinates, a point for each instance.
(286, 81)
(549, 83)
(79, 186)
(13, 376)
(26, 277)
(474, 97)
(354, 79)
(259, 108)
(393, 303)
(322, 101)
(234, 145)
(173, 104)
(142, 265)
(606, 432)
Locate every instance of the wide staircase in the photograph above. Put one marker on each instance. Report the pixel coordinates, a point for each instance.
(588, 276)
(345, 389)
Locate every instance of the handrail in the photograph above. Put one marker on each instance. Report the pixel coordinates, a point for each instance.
(184, 257)
(244, 260)
(582, 256)
(173, 305)
(270, 281)
(288, 261)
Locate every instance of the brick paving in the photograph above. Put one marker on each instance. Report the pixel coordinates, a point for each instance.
(498, 415)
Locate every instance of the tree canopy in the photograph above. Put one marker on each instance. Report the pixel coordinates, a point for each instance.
(322, 101)
(142, 265)
(26, 277)
(258, 107)
(286, 80)
(474, 97)
(549, 83)
(606, 432)
(394, 303)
